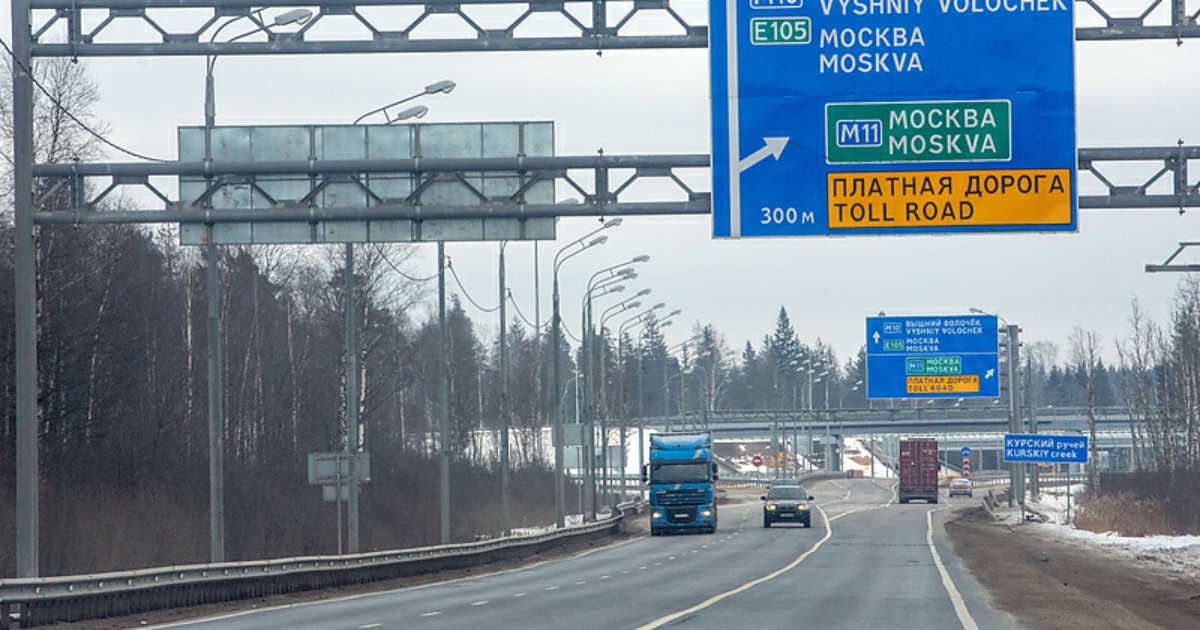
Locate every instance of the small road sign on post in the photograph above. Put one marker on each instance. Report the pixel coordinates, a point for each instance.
(966, 452)
(757, 460)
(1047, 449)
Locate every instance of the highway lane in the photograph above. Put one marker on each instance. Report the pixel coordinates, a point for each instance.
(875, 568)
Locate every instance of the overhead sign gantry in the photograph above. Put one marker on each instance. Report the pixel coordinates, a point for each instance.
(845, 117)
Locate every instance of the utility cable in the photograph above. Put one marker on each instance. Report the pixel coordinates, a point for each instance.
(467, 295)
(72, 116)
(401, 273)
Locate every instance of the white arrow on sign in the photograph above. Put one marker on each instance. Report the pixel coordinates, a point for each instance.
(876, 336)
(773, 148)
(989, 374)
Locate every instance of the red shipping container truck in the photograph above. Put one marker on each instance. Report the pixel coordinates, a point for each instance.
(918, 471)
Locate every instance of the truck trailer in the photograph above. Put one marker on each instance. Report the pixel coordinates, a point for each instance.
(682, 477)
(918, 471)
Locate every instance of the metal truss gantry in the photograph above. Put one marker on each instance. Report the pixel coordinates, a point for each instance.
(93, 28)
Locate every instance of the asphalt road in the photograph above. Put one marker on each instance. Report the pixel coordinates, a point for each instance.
(866, 562)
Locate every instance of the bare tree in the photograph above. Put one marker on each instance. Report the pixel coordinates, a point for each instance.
(1085, 357)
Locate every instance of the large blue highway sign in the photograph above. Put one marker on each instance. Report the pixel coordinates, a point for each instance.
(1046, 449)
(940, 356)
(847, 117)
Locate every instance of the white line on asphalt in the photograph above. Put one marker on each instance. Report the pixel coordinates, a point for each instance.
(518, 594)
(430, 614)
(662, 621)
(605, 577)
(580, 583)
(370, 625)
(551, 588)
(960, 607)
(480, 603)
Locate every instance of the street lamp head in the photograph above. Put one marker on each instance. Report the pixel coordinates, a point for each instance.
(674, 313)
(416, 111)
(616, 288)
(643, 292)
(612, 223)
(295, 16)
(631, 305)
(444, 87)
(658, 306)
(641, 259)
(599, 240)
(627, 272)
(665, 323)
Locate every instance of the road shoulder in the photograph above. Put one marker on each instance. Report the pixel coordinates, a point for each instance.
(1050, 583)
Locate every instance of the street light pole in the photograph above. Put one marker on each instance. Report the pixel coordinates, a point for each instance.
(556, 325)
(216, 386)
(505, 409)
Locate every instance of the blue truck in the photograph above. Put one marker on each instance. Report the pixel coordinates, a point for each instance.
(682, 476)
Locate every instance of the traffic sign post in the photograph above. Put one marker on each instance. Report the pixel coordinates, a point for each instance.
(1046, 449)
(851, 117)
(953, 356)
(966, 467)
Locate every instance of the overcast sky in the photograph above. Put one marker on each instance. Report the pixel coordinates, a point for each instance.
(656, 102)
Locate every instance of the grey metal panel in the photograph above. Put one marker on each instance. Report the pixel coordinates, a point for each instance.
(342, 142)
(389, 142)
(343, 232)
(518, 229)
(191, 144)
(539, 139)
(282, 233)
(501, 140)
(452, 230)
(280, 143)
(267, 191)
(233, 232)
(391, 187)
(391, 231)
(231, 143)
(348, 195)
(449, 140)
(192, 233)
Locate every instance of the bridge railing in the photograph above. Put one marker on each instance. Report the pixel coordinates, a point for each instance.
(41, 601)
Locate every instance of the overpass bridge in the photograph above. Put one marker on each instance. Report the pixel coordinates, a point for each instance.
(877, 421)
(981, 428)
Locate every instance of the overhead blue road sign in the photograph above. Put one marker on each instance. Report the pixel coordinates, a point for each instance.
(966, 451)
(850, 117)
(1046, 449)
(940, 356)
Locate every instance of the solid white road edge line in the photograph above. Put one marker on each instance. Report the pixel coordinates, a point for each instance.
(662, 621)
(960, 607)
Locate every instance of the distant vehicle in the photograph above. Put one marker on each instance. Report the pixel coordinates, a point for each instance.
(961, 486)
(786, 504)
(683, 479)
(918, 471)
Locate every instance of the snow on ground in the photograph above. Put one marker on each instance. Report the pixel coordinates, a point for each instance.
(855, 456)
(1178, 556)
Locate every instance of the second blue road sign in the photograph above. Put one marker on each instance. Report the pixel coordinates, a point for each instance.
(940, 356)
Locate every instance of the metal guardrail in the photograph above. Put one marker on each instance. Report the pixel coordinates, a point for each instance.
(747, 481)
(40, 601)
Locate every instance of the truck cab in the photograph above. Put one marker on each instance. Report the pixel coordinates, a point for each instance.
(682, 478)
